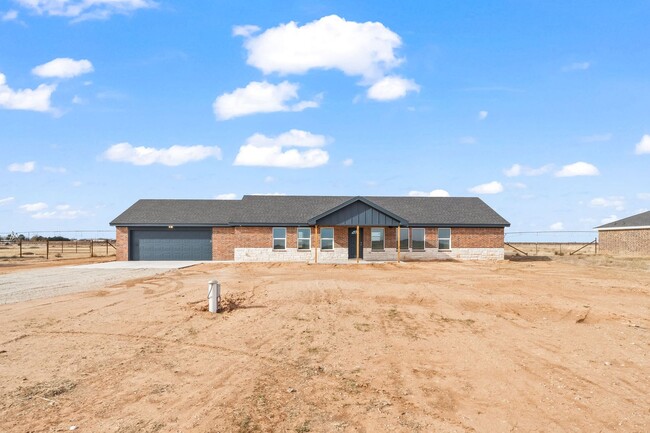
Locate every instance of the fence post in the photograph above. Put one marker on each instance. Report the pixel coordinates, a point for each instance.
(61, 248)
(20, 244)
(75, 246)
(91, 248)
(106, 247)
(47, 249)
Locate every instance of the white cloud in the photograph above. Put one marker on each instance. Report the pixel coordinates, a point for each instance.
(59, 170)
(226, 196)
(24, 167)
(617, 202)
(78, 100)
(10, 15)
(260, 97)
(64, 214)
(172, 156)
(264, 151)
(482, 115)
(643, 196)
(85, 9)
(37, 99)
(609, 219)
(5, 201)
(269, 179)
(467, 140)
(392, 87)
(578, 169)
(522, 170)
(596, 138)
(63, 67)
(577, 66)
(557, 226)
(245, 31)
(33, 207)
(434, 193)
(643, 146)
(493, 187)
(357, 49)
(348, 162)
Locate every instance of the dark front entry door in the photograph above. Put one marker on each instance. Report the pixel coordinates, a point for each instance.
(352, 243)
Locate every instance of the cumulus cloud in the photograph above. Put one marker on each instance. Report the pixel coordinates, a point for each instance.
(616, 202)
(63, 67)
(577, 66)
(643, 146)
(37, 99)
(493, 187)
(283, 150)
(10, 15)
(226, 196)
(392, 87)
(348, 162)
(62, 212)
(434, 193)
(260, 97)
(172, 156)
(34, 207)
(357, 49)
(245, 31)
(85, 9)
(22, 167)
(578, 169)
(522, 170)
(5, 201)
(557, 226)
(482, 115)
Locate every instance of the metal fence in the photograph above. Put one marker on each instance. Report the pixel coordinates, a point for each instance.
(68, 234)
(21, 249)
(544, 243)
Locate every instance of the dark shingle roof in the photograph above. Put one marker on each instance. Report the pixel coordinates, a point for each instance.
(638, 220)
(289, 210)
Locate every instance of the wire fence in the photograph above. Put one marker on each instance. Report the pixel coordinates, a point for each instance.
(39, 235)
(49, 250)
(543, 243)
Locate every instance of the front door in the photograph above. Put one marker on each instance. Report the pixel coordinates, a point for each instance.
(352, 243)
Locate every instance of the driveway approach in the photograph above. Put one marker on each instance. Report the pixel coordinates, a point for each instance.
(44, 283)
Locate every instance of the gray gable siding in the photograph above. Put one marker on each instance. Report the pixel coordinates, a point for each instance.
(357, 213)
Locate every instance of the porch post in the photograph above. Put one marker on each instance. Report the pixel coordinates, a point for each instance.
(398, 241)
(357, 244)
(316, 251)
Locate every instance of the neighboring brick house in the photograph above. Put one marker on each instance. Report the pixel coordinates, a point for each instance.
(626, 237)
(315, 229)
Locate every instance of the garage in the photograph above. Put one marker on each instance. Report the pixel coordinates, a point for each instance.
(170, 244)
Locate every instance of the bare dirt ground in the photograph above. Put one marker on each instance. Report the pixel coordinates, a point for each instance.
(558, 345)
(9, 265)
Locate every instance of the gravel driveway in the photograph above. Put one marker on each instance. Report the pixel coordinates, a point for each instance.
(48, 282)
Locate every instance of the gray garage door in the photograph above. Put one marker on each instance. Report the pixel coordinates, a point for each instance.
(174, 244)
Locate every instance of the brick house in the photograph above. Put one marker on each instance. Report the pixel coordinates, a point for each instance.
(315, 229)
(626, 237)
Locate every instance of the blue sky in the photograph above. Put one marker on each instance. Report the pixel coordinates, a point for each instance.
(538, 107)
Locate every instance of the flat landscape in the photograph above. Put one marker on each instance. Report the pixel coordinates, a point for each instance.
(523, 345)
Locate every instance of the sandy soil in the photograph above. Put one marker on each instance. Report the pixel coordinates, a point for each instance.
(514, 346)
(9, 265)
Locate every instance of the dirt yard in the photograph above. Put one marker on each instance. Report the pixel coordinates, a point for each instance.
(560, 345)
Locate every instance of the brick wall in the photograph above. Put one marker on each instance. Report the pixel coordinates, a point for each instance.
(122, 243)
(624, 242)
(472, 237)
(223, 243)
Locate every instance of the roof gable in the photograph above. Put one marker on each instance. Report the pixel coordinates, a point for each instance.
(358, 211)
(634, 221)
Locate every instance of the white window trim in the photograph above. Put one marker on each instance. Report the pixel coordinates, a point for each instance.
(298, 238)
(320, 234)
(408, 239)
(383, 238)
(424, 239)
(274, 238)
(444, 249)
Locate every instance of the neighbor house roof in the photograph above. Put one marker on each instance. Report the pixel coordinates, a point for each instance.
(641, 220)
(254, 210)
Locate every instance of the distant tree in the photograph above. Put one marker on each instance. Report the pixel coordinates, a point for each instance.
(58, 238)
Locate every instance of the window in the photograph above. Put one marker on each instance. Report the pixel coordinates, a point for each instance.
(417, 243)
(279, 238)
(377, 239)
(444, 239)
(304, 238)
(404, 239)
(327, 238)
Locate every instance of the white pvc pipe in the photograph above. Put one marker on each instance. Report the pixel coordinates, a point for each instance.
(214, 296)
